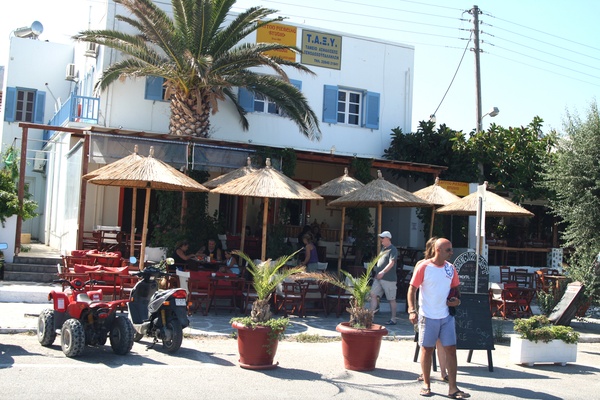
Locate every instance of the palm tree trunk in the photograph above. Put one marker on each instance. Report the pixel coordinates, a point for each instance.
(188, 117)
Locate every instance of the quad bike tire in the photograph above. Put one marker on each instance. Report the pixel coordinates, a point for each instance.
(121, 336)
(174, 343)
(72, 338)
(45, 330)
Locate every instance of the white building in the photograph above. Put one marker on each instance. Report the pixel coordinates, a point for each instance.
(361, 90)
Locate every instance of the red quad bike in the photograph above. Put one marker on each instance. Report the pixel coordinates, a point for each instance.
(84, 319)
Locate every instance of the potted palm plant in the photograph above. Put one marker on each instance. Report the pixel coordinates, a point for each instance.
(541, 341)
(361, 338)
(259, 333)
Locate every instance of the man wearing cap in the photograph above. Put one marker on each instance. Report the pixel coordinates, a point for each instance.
(385, 276)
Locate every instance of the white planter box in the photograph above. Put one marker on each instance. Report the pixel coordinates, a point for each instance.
(523, 351)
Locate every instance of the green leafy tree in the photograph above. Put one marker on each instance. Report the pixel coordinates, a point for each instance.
(573, 175)
(201, 61)
(513, 159)
(9, 195)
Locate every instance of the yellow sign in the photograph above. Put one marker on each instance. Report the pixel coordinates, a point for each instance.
(458, 188)
(281, 34)
(321, 49)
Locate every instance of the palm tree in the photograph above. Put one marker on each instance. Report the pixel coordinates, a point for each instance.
(201, 61)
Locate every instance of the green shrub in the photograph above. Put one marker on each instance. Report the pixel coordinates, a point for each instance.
(539, 328)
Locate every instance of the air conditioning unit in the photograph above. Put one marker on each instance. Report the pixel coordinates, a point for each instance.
(71, 73)
(91, 50)
(39, 163)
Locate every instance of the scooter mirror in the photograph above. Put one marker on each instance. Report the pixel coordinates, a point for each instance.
(132, 260)
(3, 246)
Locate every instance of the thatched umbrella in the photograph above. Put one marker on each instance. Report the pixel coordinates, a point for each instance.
(108, 169)
(437, 196)
(379, 193)
(228, 177)
(267, 183)
(336, 188)
(146, 173)
(495, 206)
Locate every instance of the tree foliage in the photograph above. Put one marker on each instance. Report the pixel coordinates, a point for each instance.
(201, 61)
(574, 178)
(9, 195)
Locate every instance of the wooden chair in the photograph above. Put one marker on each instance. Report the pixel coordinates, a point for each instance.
(540, 281)
(198, 295)
(522, 277)
(127, 284)
(225, 289)
(504, 273)
(249, 296)
(290, 299)
(338, 298)
(315, 297)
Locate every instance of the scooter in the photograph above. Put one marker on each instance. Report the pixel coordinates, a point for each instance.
(159, 314)
(84, 319)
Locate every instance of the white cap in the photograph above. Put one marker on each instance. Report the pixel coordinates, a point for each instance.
(386, 234)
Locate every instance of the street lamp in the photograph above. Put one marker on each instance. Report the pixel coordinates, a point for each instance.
(492, 113)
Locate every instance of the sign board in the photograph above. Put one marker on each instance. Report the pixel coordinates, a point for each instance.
(281, 34)
(321, 49)
(474, 325)
(460, 189)
(466, 264)
(565, 310)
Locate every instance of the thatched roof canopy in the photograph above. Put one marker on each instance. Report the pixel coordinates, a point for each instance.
(339, 187)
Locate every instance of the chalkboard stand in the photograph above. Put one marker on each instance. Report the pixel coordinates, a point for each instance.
(490, 362)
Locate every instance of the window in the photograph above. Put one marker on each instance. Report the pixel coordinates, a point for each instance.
(155, 88)
(348, 110)
(256, 102)
(25, 105)
(350, 107)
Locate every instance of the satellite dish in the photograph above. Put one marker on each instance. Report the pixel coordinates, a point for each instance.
(32, 31)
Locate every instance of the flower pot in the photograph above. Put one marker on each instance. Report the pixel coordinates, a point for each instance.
(256, 346)
(523, 351)
(360, 347)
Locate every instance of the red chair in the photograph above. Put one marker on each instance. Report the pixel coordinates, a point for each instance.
(198, 295)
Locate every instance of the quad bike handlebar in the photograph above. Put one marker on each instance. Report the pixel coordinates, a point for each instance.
(78, 284)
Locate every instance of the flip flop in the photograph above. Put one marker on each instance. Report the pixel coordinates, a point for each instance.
(425, 392)
(445, 379)
(420, 378)
(390, 322)
(459, 394)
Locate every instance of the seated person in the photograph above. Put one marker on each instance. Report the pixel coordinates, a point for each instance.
(181, 255)
(350, 239)
(231, 264)
(212, 250)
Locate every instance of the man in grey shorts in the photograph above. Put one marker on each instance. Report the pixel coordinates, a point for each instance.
(384, 281)
(435, 277)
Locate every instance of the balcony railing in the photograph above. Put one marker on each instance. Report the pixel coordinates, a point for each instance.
(80, 109)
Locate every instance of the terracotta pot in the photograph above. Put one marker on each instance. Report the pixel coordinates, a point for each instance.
(360, 347)
(257, 350)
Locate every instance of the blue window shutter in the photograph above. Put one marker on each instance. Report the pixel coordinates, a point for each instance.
(372, 110)
(39, 107)
(330, 97)
(246, 100)
(10, 104)
(296, 83)
(154, 88)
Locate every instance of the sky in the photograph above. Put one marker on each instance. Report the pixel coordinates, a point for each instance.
(538, 57)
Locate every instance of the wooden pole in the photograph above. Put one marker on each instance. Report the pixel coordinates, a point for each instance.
(244, 217)
(264, 230)
(379, 209)
(145, 229)
(339, 269)
(133, 212)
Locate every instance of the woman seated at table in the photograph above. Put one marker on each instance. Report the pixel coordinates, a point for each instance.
(231, 264)
(211, 250)
(311, 257)
(181, 256)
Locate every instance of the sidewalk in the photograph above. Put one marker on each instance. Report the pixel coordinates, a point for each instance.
(21, 303)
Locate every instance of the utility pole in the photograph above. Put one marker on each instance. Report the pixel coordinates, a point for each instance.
(475, 12)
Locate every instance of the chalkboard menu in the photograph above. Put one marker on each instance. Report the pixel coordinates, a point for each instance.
(466, 264)
(474, 323)
(565, 310)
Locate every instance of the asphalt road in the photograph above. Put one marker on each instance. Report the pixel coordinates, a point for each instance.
(206, 368)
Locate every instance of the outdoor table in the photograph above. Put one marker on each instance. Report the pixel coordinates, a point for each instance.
(197, 265)
(224, 286)
(105, 258)
(555, 281)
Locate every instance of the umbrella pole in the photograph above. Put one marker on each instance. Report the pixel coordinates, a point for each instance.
(379, 209)
(133, 212)
(263, 253)
(432, 219)
(244, 217)
(339, 269)
(145, 229)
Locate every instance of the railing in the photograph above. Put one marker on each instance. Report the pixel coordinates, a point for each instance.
(80, 109)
